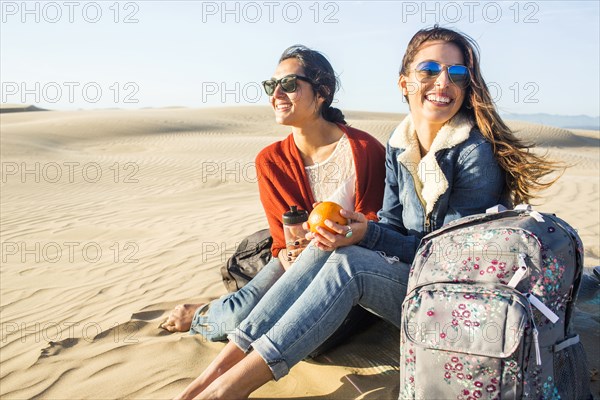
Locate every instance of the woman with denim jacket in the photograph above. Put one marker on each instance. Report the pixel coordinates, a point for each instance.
(452, 156)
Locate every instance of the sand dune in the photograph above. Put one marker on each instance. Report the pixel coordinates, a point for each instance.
(111, 217)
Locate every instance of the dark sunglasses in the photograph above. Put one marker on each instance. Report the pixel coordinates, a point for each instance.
(288, 83)
(427, 70)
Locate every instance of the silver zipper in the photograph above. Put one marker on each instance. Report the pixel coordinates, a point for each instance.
(427, 223)
(536, 341)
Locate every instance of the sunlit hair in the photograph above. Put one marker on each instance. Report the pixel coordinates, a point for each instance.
(524, 170)
(318, 69)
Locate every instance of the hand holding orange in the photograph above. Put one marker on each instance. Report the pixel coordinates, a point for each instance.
(325, 210)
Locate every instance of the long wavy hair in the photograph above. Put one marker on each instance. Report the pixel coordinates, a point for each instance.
(525, 171)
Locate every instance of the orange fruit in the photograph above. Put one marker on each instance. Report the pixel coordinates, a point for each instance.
(325, 210)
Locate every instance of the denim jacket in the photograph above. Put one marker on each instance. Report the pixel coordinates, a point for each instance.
(459, 176)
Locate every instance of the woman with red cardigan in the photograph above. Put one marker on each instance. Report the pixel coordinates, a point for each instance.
(322, 159)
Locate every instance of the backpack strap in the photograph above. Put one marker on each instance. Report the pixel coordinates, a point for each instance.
(496, 209)
(524, 207)
(565, 343)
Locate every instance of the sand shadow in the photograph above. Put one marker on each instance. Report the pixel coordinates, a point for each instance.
(377, 347)
(363, 387)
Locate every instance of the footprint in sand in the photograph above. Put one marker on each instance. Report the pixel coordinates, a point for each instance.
(140, 325)
(55, 348)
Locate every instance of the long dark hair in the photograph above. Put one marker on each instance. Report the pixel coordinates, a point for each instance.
(524, 170)
(318, 69)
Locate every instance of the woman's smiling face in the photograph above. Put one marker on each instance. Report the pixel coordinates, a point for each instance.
(294, 108)
(437, 100)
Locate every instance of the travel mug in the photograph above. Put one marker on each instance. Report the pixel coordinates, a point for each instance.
(292, 228)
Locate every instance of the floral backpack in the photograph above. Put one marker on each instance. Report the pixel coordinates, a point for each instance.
(488, 311)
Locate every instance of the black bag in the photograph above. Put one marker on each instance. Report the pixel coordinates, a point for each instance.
(252, 254)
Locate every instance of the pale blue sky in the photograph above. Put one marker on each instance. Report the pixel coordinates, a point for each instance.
(537, 56)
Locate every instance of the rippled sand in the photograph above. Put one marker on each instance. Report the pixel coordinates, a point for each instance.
(111, 217)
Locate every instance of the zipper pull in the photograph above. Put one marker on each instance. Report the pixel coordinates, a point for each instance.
(548, 313)
(537, 216)
(520, 273)
(536, 343)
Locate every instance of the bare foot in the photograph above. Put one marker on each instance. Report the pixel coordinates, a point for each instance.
(180, 319)
(239, 381)
(226, 359)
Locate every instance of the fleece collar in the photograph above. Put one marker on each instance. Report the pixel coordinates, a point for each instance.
(430, 181)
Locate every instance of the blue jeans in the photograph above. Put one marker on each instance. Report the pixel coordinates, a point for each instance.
(312, 299)
(221, 316)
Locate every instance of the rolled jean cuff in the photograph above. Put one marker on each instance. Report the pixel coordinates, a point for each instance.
(272, 356)
(241, 340)
(200, 321)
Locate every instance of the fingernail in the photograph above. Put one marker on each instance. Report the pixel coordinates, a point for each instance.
(289, 253)
(289, 258)
(296, 243)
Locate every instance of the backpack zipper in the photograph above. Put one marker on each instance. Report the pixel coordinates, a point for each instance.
(534, 301)
(520, 273)
(536, 341)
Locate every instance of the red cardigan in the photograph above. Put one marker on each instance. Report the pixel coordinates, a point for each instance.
(282, 179)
